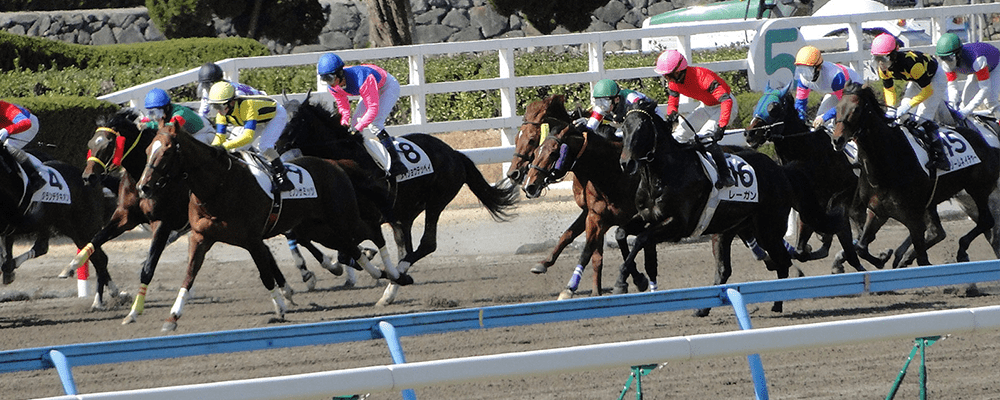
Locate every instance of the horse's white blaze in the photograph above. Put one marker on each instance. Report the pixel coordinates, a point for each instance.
(389, 295)
(179, 303)
(154, 150)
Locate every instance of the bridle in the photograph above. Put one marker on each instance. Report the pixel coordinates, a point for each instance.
(558, 170)
(648, 157)
(531, 157)
(115, 161)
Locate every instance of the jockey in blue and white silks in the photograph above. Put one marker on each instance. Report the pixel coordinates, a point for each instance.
(977, 60)
(812, 73)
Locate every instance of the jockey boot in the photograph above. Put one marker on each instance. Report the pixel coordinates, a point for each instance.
(281, 181)
(396, 166)
(35, 180)
(725, 176)
(938, 160)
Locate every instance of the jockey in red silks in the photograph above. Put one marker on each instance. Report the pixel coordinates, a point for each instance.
(711, 117)
(379, 92)
(18, 127)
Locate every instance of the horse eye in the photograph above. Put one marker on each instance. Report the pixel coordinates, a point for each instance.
(771, 107)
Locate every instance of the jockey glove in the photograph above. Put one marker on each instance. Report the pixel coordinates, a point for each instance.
(4, 134)
(719, 133)
(353, 131)
(890, 113)
(903, 109)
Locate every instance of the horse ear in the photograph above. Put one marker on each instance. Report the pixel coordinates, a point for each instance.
(788, 87)
(767, 86)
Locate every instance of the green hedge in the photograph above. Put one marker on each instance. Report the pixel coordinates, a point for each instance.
(66, 123)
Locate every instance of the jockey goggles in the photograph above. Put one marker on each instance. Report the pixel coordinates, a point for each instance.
(603, 104)
(221, 107)
(328, 78)
(882, 61)
(156, 113)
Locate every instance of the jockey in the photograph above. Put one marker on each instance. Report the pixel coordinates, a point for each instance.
(258, 122)
(925, 89)
(978, 61)
(208, 75)
(159, 107)
(379, 92)
(17, 120)
(711, 117)
(812, 73)
(610, 104)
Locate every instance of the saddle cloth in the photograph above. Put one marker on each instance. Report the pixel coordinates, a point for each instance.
(304, 186)
(745, 190)
(414, 158)
(55, 189)
(959, 152)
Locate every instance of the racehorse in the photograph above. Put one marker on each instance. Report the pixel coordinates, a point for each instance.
(77, 216)
(316, 131)
(904, 190)
(829, 172)
(600, 188)
(228, 205)
(676, 200)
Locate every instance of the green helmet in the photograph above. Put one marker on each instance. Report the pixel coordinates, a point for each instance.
(606, 88)
(948, 45)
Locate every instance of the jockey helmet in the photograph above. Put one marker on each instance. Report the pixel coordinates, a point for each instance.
(209, 73)
(809, 55)
(670, 61)
(948, 45)
(329, 63)
(221, 92)
(157, 98)
(606, 88)
(884, 44)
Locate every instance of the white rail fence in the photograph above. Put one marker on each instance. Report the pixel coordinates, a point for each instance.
(416, 375)
(766, 62)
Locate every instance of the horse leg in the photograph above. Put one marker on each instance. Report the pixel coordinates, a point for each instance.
(628, 264)
(40, 247)
(848, 252)
(649, 260)
(308, 277)
(593, 248)
(565, 239)
(7, 268)
(161, 237)
(984, 225)
(198, 246)
(121, 221)
(100, 262)
(721, 249)
(271, 277)
(873, 223)
(428, 242)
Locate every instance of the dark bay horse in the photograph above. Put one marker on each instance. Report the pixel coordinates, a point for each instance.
(601, 189)
(829, 172)
(228, 205)
(316, 131)
(117, 151)
(896, 177)
(674, 195)
(78, 220)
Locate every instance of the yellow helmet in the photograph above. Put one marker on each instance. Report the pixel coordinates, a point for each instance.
(221, 92)
(809, 55)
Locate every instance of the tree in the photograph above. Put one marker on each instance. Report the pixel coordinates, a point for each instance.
(390, 22)
(547, 15)
(290, 21)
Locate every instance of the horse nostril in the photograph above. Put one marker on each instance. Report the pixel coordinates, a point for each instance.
(515, 175)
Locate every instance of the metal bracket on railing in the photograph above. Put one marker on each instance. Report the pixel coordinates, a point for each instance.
(396, 351)
(920, 344)
(638, 371)
(61, 363)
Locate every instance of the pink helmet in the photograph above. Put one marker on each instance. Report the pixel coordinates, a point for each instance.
(669, 62)
(883, 44)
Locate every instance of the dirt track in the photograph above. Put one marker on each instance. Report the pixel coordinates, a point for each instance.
(229, 296)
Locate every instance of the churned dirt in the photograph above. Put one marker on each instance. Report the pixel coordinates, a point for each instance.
(478, 264)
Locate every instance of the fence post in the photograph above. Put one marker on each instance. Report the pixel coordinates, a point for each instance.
(396, 350)
(756, 366)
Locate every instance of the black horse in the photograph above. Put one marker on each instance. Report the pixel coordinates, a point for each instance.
(78, 220)
(830, 174)
(904, 190)
(674, 195)
(316, 131)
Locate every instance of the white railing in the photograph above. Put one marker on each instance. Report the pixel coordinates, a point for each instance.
(508, 82)
(536, 363)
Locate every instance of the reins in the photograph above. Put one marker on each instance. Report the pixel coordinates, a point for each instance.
(118, 155)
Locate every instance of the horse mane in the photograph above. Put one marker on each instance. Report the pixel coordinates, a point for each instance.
(122, 117)
(320, 112)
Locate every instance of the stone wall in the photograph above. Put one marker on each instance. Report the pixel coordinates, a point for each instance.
(436, 21)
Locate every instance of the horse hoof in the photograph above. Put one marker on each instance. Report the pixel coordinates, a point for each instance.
(130, 318)
(777, 307)
(349, 284)
(641, 283)
(539, 269)
(619, 289)
(404, 280)
(169, 326)
(8, 277)
(310, 282)
(701, 313)
(335, 268)
(565, 294)
(369, 253)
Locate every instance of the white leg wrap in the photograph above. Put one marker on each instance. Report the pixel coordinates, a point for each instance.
(403, 266)
(389, 295)
(279, 303)
(179, 303)
(352, 278)
(386, 259)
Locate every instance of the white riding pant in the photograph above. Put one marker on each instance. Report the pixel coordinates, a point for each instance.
(935, 106)
(703, 118)
(207, 132)
(267, 132)
(991, 99)
(387, 98)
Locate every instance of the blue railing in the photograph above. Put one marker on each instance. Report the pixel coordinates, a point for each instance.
(391, 328)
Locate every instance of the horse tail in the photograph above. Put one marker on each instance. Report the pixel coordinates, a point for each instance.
(805, 201)
(497, 199)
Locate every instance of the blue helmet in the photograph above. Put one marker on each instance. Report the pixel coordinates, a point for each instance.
(157, 98)
(329, 63)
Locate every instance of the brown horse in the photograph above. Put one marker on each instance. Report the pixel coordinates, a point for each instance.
(228, 205)
(600, 188)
